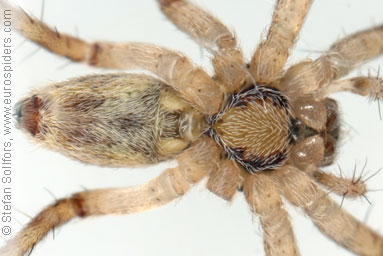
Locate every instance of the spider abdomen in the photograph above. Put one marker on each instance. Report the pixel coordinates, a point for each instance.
(111, 120)
(254, 128)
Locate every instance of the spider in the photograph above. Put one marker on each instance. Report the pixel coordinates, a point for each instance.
(254, 174)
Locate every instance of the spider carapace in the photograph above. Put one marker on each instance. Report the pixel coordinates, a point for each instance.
(258, 129)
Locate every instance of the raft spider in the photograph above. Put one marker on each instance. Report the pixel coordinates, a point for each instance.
(154, 213)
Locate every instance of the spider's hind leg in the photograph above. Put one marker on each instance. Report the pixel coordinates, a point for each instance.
(194, 84)
(194, 164)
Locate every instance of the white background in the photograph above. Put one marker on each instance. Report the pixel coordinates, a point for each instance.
(201, 223)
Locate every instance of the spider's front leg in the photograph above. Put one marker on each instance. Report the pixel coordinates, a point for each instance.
(272, 53)
(364, 85)
(194, 164)
(331, 219)
(317, 76)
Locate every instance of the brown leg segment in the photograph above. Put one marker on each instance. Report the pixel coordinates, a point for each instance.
(340, 59)
(208, 31)
(365, 86)
(31, 28)
(346, 187)
(272, 53)
(194, 164)
(331, 219)
(226, 179)
(265, 201)
(194, 84)
(168, 186)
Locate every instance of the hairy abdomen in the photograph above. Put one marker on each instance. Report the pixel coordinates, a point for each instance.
(112, 120)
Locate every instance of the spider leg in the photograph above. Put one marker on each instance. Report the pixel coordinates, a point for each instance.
(339, 60)
(272, 53)
(331, 219)
(194, 84)
(226, 179)
(363, 85)
(194, 164)
(343, 186)
(208, 31)
(265, 201)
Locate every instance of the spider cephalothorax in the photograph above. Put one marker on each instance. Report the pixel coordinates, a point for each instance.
(257, 128)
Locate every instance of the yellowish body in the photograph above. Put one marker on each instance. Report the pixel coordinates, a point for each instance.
(112, 120)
